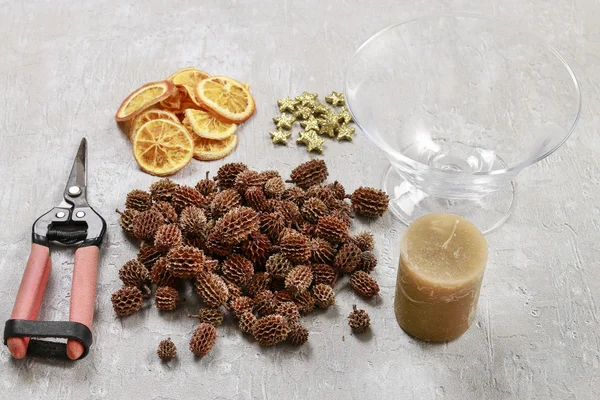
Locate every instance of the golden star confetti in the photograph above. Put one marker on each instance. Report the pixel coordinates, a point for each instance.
(320, 109)
(329, 124)
(280, 137)
(344, 116)
(287, 104)
(284, 121)
(335, 99)
(303, 112)
(311, 124)
(312, 141)
(307, 98)
(303, 138)
(345, 133)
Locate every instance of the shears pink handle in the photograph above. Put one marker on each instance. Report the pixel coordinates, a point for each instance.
(33, 285)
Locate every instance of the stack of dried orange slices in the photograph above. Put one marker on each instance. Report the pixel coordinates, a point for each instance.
(188, 115)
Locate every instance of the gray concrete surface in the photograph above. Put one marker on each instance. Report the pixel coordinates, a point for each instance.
(66, 66)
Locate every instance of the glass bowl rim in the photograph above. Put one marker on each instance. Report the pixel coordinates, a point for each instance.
(416, 164)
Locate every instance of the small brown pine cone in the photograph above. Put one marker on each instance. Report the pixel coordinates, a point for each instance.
(278, 266)
(234, 290)
(290, 311)
(197, 242)
(340, 205)
(324, 295)
(365, 241)
(212, 289)
(305, 302)
(270, 330)
(347, 258)
(228, 173)
(166, 350)
(283, 296)
(324, 274)
(185, 262)
(271, 224)
(338, 190)
(160, 275)
(127, 301)
(166, 298)
(126, 220)
(294, 194)
(259, 282)
(148, 255)
(332, 229)
(134, 273)
(265, 302)
(187, 196)
(313, 209)
(298, 335)
(322, 193)
(307, 229)
(138, 200)
(247, 179)
(237, 269)
(203, 339)
(359, 320)
(274, 188)
(167, 237)
(193, 222)
(256, 199)
(321, 251)
(213, 316)
(295, 247)
(273, 205)
(225, 201)
(269, 174)
(146, 223)
(364, 284)
(299, 279)
(162, 190)
(216, 246)
(310, 173)
(237, 224)
(241, 305)
(257, 248)
(167, 211)
(206, 186)
(247, 320)
(289, 211)
(211, 265)
(369, 202)
(342, 216)
(368, 262)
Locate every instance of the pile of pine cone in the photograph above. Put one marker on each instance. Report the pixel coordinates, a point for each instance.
(251, 246)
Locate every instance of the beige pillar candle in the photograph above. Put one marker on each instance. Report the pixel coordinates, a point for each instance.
(442, 259)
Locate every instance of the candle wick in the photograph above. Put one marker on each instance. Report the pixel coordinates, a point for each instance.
(447, 242)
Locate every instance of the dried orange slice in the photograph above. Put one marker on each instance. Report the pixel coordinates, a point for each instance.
(206, 125)
(162, 147)
(145, 116)
(173, 102)
(227, 98)
(209, 149)
(189, 78)
(143, 98)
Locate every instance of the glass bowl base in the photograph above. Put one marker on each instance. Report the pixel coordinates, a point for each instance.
(408, 203)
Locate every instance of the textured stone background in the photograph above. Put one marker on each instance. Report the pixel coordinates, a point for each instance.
(66, 66)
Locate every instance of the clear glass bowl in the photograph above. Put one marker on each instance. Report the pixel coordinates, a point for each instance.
(460, 104)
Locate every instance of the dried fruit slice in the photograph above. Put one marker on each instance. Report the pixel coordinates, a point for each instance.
(189, 79)
(227, 98)
(148, 115)
(162, 147)
(174, 101)
(209, 150)
(142, 98)
(207, 125)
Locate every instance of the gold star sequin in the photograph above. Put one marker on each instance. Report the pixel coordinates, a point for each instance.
(287, 104)
(345, 133)
(344, 116)
(335, 99)
(280, 137)
(284, 121)
(329, 124)
(307, 98)
(313, 142)
(320, 108)
(311, 124)
(303, 112)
